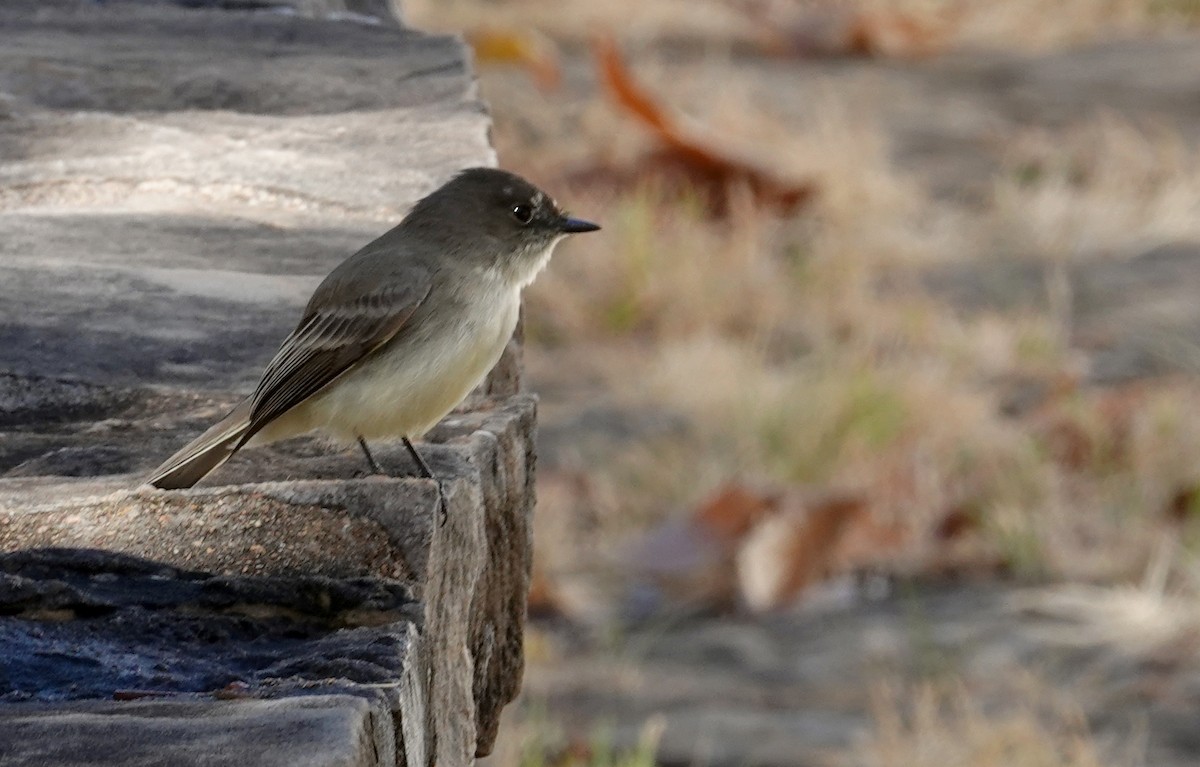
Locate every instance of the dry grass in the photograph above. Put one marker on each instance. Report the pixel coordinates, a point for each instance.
(1027, 24)
(776, 341)
(903, 27)
(1105, 188)
(812, 351)
(530, 739)
(933, 724)
(577, 20)
(807, 350)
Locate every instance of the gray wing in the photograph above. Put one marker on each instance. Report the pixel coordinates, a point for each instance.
(332, 338)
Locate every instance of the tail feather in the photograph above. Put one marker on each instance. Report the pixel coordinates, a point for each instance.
(205, 453)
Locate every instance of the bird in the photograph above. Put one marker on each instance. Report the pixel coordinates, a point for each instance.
(401, 331)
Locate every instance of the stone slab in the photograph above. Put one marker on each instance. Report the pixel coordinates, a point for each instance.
(298, 524)
(470, 573)
(318, 731)
(91, 624)
(367, 527)
(176, 181)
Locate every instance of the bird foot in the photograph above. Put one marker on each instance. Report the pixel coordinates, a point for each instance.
(442, 509)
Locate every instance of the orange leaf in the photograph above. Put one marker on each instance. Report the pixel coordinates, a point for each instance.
(790, 551)
(1182, 505)
(523, 47)
(956, 523)
(544, 600)
(812, 549)
(860, 33)
(894, 34)
(730, 513)
(688, 157)
(616, 77)
(692, 557)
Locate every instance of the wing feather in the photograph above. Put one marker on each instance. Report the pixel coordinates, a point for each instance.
(328, 342)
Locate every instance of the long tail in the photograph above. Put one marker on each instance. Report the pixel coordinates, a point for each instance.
(204, 453)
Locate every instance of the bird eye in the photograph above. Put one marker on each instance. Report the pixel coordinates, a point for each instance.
(522, 213)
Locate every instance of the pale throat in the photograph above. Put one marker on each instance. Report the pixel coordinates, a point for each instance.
(524, 269)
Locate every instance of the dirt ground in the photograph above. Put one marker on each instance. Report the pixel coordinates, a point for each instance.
(982, 329)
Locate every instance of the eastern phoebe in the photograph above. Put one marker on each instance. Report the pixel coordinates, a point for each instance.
(401, 331)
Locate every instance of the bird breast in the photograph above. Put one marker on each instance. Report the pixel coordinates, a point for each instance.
(406, 387)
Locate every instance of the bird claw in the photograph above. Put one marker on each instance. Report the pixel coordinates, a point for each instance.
(442, 509)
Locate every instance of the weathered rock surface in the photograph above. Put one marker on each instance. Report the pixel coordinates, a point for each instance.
(79, 613)
(471, 572)
(175, 178)
(317, 731)
(379, 534)
(177, 181)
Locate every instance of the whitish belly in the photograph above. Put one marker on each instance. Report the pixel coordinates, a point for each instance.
(405, 391)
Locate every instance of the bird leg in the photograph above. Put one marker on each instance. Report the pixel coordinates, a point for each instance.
(375, 468)
(422, 467)
(427, 473)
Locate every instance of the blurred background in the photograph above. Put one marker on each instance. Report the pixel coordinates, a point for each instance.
(869, 423)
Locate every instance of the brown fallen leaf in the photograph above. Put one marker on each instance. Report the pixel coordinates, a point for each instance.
(235, 690)
(895, 34)
(731, 511)
(683, 562)
(688, 158)
(1084, 430)
(956, 549)
(825, 33)
(1183, 505)
(790, 551)
(764, 549)
(544, 600)
(690, 558)
(873, 544)
(957, 522)
(523, 47)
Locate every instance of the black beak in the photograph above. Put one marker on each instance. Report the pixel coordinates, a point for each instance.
(576, 225)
